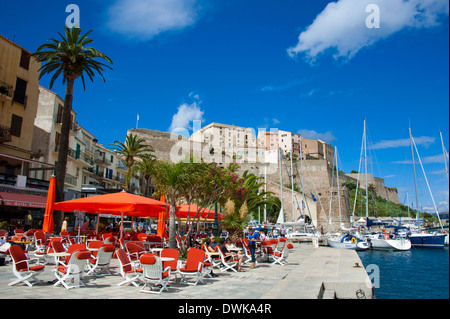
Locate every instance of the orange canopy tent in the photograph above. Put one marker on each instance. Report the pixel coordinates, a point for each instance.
(183, 211)
(115, 204)
(121, 204)
(161, 230)
(47, 225)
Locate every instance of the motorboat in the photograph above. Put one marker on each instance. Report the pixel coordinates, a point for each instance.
(427, 240)
(386, 241)
(348, 242)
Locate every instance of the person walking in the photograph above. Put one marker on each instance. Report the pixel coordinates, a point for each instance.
(253, 238)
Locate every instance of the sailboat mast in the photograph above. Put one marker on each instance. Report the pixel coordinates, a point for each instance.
(265, 192)
(365, 164)
(415, 178)
(292, 186)
(428, 185)
(281, 184)
(445, 156)
(338, 189)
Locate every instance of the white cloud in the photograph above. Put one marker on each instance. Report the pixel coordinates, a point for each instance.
(144, 19)
(186, 114)
(327, 137)
(341, 26)
(423, 140)
(435, 159)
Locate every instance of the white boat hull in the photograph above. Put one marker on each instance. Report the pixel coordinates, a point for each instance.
(337, 243)
(396, 244)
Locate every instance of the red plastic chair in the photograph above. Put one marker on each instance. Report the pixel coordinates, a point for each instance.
(22, 269)
(193, 267)
(153, 273)
(73, 270)
(173, 264)
(128, 269)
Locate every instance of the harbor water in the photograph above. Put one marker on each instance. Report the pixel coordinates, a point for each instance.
(414, 274)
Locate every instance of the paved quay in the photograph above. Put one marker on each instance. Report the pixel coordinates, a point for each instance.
(312, 273)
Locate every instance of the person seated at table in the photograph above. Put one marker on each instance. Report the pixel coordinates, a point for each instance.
(208, 243)
(213, 242)
(226, 243)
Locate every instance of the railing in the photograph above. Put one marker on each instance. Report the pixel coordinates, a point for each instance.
(5, 134)
(6, 89)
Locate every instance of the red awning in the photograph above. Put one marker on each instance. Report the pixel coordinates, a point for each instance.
(22, 200)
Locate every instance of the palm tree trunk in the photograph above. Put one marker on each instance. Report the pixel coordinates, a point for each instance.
(172, 226)
(60, 167)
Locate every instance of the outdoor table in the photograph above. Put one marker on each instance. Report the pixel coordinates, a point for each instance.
(167, 258)
(57, 255)
(156, 250)
(215, 253)
(93, 249)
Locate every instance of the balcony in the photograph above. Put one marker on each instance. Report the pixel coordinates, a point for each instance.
(5, 134)
(6, 91)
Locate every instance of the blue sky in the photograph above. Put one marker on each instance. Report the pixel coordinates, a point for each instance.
(312, 67)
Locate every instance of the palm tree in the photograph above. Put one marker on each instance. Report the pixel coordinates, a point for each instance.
(170, 179)
(133, 147)
(145, 168)
(72, 57)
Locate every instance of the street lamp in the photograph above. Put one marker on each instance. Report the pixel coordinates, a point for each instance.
(215, 228)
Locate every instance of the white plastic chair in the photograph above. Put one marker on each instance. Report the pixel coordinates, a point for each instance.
(102, 261)
(153, 273)
(73, 272)
(281, 257)
(194, 266)
(128, 269)
(22, 269)
(230, 263)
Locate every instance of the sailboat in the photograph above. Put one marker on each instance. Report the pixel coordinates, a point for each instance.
(419, 238)
(381, 241)
(347, 241)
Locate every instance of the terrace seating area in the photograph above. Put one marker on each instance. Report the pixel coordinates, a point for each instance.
(145, 262)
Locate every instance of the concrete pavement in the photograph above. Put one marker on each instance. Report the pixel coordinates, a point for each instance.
(312, 273)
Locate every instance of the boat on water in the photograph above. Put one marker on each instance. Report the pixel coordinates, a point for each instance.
(348, 242)
(427, 240)
(420, 238)
(388, 242)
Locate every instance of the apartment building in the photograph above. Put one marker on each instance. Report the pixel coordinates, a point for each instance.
(88, 162)
(317, 149)
(19, 90)
(227, 139)
(289, 142)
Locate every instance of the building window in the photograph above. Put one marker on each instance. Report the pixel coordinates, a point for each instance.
(25, 60)
(20, 91)
(60, 113)
(16, 125)
(57, 141)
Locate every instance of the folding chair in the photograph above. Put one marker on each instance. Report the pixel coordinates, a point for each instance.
(247, 254)
(267, 249)
(101, 261)
(174, 264)
(135, 250)
(280, 244)
(280, 257)
(22, 269)
(73, 270)
(153, 273)
(67, 239)
(228, 262)
(127, 269)
(193, 267)
(40, 245)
